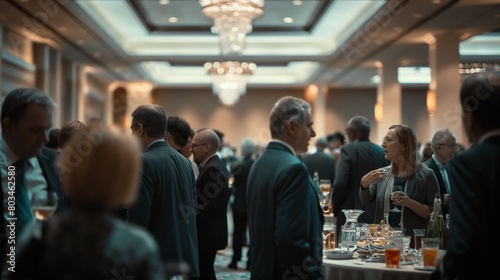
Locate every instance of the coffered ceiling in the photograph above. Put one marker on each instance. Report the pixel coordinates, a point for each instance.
(337, 43)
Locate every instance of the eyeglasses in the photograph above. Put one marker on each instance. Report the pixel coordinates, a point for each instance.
(453, 146)
(194, 145)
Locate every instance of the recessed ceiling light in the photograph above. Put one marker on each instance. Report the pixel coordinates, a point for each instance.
(164, 2)
(297, 2)
(172, 19)
(288, 20)
(80, 42)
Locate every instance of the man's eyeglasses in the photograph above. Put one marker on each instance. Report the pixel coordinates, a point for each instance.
(194, 145)
(453, 146)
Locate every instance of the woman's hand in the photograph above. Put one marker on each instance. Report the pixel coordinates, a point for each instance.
(372, 177)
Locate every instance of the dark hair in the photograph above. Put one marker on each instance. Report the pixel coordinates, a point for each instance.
(16, 102)
(179, 129)
(480, 96)
(53, 139)
(361, 126)
(68, 130)
(153, 118)
(336, 135)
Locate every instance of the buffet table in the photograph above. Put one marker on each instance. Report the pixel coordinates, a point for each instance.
(353, 269)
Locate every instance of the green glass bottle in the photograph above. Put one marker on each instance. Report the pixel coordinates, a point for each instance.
(437, 226)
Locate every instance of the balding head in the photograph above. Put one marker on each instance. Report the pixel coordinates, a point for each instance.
(205, 143)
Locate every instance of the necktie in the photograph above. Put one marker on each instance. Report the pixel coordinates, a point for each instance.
(445, 179)
(24, 214)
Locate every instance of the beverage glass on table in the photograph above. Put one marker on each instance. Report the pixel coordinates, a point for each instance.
(325, 185)
(44, 204)
(392, 251)
(328, 236)
(418, 234)
(430, 249)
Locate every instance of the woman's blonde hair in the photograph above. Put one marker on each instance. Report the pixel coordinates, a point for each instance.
(406, 136)
(101, 166)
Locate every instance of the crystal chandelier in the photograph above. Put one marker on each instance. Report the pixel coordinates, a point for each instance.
(232, 21)
(229, 81)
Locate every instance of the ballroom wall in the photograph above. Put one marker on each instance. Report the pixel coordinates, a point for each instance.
(249, 117)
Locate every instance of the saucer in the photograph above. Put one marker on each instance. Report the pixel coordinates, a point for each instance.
(419, 266)
(338, 254)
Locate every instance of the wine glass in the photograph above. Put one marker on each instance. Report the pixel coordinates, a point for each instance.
(44, 204)
(396, 188)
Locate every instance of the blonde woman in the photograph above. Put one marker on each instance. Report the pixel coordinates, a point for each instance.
(418, 183)
(87, 241)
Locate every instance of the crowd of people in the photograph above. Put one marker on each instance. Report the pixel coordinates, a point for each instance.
(153, 202)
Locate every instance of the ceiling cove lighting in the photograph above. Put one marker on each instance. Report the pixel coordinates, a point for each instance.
(229, 82)
(232, 21)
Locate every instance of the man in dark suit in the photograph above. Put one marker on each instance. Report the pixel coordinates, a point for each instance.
(444, 145)
(321, 162)
(240, 171)
(166, 201)
(284, 217)
(26, 119)
(212, 193)
(357, 158)
(474, 178)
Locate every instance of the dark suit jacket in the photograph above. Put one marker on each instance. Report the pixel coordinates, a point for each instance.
(356, 159)
(47, 160)
(474, 175)
(240, 172)
(323, 163)
(166, 204)
(284, 217)
(442, 187)
(212, 193)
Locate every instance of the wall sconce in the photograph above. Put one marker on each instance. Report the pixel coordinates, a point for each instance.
(431, 102)
(379, 112)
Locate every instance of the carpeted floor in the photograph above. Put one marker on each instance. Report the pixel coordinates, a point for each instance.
(223, 259)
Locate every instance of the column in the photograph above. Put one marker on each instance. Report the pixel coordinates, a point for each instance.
(444, 58)
(316, 95)
(137, 94)
(70, 91)
(389, 98)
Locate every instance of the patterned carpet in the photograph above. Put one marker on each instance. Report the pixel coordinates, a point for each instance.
(223, 259)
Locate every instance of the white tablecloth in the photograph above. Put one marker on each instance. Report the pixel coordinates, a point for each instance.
(351, 270)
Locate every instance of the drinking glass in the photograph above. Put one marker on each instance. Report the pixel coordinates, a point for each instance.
(44, 204)
(396, 189)
(325, 185)
(393, 247)
(348, 237)
(418, 234)
(430, 249)
(329, 236)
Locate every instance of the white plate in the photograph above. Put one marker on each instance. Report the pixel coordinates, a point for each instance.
(338, 255)
(419, 266)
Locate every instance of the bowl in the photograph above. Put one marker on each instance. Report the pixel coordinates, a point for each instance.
(338, 254)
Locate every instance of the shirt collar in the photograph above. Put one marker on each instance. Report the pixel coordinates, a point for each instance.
(438, 163)
(286, 145)
(205, 161)
(159, 140)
